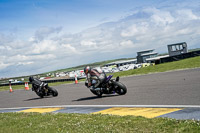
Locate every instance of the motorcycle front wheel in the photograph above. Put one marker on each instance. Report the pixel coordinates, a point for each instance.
(119, 88)
(53, 91)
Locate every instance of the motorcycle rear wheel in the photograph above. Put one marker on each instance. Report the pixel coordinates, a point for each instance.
(40, 94)
(97, 93)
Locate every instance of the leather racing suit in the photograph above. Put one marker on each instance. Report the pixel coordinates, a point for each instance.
(95, 77)
(37, 85)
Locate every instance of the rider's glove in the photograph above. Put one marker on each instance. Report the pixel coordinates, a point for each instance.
(89, 84)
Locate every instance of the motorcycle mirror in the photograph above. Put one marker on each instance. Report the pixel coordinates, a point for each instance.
(117, 79)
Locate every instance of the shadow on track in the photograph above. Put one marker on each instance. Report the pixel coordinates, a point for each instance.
(37, 98)
(93, 97)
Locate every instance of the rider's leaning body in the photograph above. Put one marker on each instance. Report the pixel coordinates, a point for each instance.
(36, 83)
(94, 76)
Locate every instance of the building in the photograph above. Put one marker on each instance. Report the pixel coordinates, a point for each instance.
(122, 62)
(156, 60)
(142, 56)
(177, 49)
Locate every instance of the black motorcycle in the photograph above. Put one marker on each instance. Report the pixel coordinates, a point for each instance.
(44, 90)
(109, 86)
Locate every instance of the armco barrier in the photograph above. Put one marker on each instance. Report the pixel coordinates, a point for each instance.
(46, 81)
(180, 57)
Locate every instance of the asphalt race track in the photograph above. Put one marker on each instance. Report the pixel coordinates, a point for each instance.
(180, 87)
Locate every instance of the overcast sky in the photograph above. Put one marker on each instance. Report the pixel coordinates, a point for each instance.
(38, 36)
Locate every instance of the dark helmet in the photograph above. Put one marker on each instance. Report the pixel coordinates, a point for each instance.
(31, 79)
(87, 69)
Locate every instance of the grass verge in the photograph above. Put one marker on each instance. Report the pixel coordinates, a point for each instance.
(85, 123)
(182, 64)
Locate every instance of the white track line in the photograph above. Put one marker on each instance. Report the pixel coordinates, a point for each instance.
(145, 106)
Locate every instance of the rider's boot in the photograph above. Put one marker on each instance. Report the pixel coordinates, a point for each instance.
(95, 89)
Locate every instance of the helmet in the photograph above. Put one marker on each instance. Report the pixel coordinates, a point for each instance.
(87, 69)
(31, 79)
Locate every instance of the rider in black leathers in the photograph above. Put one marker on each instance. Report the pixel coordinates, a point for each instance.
(36, 84)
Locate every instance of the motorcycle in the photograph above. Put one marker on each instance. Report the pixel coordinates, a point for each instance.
(45, 90)
(109, 86)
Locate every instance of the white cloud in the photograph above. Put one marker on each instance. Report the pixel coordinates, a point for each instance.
(3, 65)
(43, 33)
(70, 48)
(90, 33)
(186, 14)
(130, 31)
(2, 47)
(162, 18)
(44, 46)
(159, 17)
(127, 44)
(25, 63)
(88, 43)
(32, 39)
(135, 29)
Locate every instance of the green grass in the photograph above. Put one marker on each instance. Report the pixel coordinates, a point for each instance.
(176, 65)
(89, 123)
(14, 87)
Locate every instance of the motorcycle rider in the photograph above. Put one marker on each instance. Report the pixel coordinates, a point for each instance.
(94, 77)
(36, 84)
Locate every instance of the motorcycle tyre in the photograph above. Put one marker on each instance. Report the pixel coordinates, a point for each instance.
(53, 91)
(121, 88)
(97, 93)
(40, 94)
